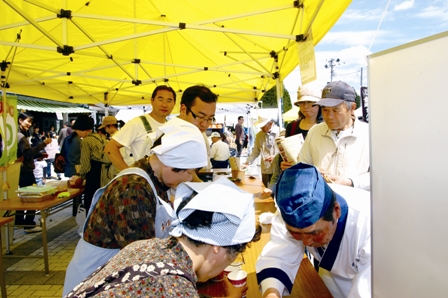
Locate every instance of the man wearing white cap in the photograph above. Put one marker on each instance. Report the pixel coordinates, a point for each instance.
(219, 153)
(134, 134)
(265, 145)
(333, 223)
(133, 206)
(213, 223)
(339, 146)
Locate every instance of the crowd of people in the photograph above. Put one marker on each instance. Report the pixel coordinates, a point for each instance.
(146, 207)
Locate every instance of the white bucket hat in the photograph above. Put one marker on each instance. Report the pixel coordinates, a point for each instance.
(262, 121)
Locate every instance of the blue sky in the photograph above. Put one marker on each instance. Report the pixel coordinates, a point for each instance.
(368, 27)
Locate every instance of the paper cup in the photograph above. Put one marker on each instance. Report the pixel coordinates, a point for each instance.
(237, 278)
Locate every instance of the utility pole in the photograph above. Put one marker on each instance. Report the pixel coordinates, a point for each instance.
(331, 64)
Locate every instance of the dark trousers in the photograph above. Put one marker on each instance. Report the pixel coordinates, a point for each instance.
(47, 170)
(93, 182)
(266, 178)
(239, 149)
(26, 217)
(219, 164)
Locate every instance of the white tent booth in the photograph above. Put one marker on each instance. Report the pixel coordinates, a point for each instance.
(409, 148)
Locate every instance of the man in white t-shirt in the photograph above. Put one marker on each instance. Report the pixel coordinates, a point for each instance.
(134, 133)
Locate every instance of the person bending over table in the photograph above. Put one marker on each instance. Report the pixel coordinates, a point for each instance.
(335, 229)
(135, 205)
(208, 235)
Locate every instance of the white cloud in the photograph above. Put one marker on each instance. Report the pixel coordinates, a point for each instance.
(355, 15)
(432, 12)
(405, 5)
(349, 38)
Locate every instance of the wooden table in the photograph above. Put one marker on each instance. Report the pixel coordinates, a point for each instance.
(207, 174)
(3, 221)
(44, 209)
(307, 283)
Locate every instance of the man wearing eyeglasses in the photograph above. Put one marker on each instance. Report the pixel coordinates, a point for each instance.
(134, 134)
(198, 106)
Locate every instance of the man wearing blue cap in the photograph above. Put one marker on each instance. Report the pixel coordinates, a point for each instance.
(335, 230)
(339, 146)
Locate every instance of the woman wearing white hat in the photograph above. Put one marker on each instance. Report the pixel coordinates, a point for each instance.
(207, 236)
(135, 205)
(309, 114)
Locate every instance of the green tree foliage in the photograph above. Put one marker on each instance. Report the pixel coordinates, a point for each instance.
(270, 99)
(358, 100)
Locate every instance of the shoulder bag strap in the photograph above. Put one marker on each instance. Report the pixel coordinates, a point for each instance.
(146, 123)
(293, 127)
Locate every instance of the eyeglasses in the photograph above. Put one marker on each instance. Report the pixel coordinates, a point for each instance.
(201, 118)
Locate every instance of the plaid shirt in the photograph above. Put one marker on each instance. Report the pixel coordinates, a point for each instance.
(126, 211)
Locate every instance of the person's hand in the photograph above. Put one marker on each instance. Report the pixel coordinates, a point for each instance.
(244, 165)
(47, 141)
(232, 291)
(285, 165)
(271, 293)
(335, 179)
(269, 158)
(241, 142)
(75, 181)
(266, 193)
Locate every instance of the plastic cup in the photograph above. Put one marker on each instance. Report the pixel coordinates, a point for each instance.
(238, 278)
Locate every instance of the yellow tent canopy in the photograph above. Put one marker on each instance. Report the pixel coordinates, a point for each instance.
(292, 114)
(116, 52)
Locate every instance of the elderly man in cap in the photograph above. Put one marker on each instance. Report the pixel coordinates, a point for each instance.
(265, 145)
(339, 146)
(219, 153)
(333, 223)
(133, 205)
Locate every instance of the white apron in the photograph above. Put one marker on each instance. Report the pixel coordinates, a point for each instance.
(87, 257)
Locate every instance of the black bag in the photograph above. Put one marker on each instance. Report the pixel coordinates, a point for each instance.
(59, 160)
(59, 163)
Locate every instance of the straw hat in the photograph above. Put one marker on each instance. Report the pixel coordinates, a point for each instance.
(308, 93)
(262, 121)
